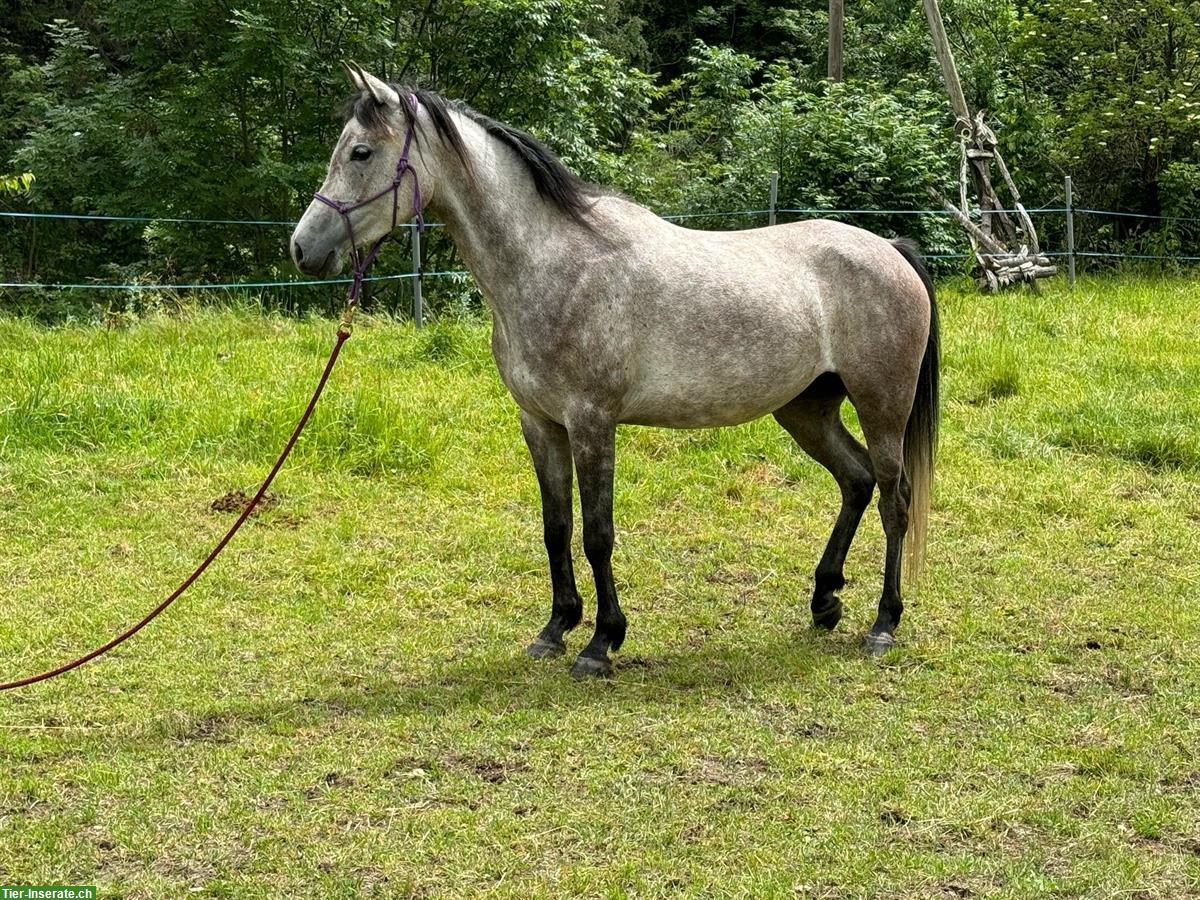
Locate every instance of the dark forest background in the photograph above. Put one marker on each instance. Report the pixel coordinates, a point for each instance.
(208, 109)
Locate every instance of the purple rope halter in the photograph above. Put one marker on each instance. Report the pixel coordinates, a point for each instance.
(362, 262)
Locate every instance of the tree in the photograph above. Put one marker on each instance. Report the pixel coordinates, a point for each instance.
(837, 26)
(1124, 90)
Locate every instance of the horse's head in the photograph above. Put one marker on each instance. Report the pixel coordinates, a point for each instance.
(368, 187)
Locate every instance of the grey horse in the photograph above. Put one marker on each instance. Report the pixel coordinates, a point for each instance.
(605, 314)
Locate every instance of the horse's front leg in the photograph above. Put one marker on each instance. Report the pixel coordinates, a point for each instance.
(593, 439)
(551, 452)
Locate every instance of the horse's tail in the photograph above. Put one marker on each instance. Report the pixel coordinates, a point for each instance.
(920, 435)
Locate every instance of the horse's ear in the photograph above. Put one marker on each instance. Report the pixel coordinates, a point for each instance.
(355, 81)
(380, 90)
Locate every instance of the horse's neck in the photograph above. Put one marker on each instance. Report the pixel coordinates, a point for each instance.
(514, 243)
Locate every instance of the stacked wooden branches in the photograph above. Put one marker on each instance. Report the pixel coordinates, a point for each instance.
(996, 232)
(1007, 251)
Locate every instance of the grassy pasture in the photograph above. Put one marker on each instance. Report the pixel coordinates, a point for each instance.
(342, 703)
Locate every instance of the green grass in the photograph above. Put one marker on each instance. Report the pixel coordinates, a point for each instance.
(342, 703)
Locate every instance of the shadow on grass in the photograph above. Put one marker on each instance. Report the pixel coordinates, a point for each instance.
(511, 681)
(421, 690)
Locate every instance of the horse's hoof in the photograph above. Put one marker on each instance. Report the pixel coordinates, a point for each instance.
(591, 667)
(828, 617)
(544, 648)
(878, 644)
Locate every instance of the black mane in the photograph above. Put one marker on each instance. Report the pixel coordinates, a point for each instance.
(554, 182)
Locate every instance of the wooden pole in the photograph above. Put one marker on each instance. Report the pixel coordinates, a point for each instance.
(773, 199)
(977, 143)
(988, 242)
(963, 122)
(837, 17)
(941, 46)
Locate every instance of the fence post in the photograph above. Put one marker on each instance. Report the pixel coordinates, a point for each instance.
(1070, 232)
(418, 305)
(774, 198)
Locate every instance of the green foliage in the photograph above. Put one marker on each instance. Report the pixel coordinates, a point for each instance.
(16, 184)
(1124, 85)
(191, 111)
(849, 146)
(169, 110)
(1118, 82)
(1180, 189)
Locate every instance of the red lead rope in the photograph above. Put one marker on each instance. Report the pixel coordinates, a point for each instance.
(342, 335)
(361, 265)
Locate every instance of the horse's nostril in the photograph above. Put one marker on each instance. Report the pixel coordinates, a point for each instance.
(297, 252)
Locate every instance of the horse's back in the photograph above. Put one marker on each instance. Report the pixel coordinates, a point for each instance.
(730, 326)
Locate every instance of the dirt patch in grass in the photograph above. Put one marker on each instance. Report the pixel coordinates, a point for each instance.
(493, 771)
(210, 728)
(621, 663)
(237, 501)
(329, 780)
(730, 770)
(1128, 681)
(735, 575)
(784, 719)
(893, 815)
(954, 889)
(1185, 782)
(195, 872)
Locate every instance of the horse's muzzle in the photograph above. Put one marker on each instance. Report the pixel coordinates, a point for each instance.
(313, 263)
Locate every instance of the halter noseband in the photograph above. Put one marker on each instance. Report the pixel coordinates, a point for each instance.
(363, 262)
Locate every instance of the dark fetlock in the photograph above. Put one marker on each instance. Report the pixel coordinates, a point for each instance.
(549, 643)
(827, 612)
(614, 632)
(567, 616)
(826, 604)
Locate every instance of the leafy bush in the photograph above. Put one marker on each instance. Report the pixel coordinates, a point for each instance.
(178, 110)
(847, 146)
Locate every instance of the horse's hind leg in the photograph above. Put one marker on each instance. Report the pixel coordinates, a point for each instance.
(551, 452)
(884, 431)
(814, 420)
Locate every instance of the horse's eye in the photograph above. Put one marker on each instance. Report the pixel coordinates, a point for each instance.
(360, 152)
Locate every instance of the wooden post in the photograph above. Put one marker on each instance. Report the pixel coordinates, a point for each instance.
(1019, 259)
(418, 301)
(963, 125)
(837, 16)
(1070, 232)
(774, 199)
(941, 46)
